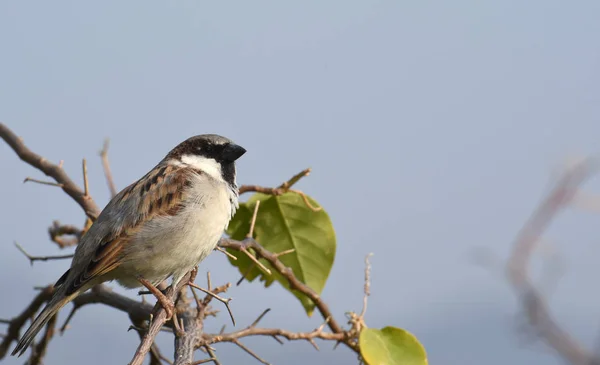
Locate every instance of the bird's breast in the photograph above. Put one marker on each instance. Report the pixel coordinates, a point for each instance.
(170, 244)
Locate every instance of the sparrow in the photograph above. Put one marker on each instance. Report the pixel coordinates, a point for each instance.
(160, 227)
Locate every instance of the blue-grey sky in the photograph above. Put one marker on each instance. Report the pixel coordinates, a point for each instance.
(432, 128)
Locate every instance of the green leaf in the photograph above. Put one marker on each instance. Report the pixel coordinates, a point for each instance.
(286, 222)
(391, 346)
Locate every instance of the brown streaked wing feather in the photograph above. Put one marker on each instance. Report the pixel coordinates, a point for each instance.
(159, 193)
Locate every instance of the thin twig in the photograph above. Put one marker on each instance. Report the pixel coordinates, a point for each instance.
(253, 221)
(32, 259)
(226, 253)
(106, 167)
(262, 315)
(213, 359)
(367, 288)
(291, 182)
(288, 274)
(250, 235)
(220, 299)
(42, 182)
(250, 352)
(56, 172)
(275, 191)
(86, 187)
(249, 331)
(212, 354)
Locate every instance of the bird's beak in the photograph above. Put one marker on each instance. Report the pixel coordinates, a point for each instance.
(232, 152)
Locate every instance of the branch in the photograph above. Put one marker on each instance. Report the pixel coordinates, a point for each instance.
(32, 259)
(15, 324)
(155, 355)
(159, 316)
(206, 339)
(289, 275)
(106, 166)
(55, 171)
(192, 335)
(283, 188)
(192, 324)
(137, 311)
(57, 231)
(532, 301)
(272, 332)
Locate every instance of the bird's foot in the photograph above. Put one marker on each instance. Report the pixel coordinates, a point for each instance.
(165, 302)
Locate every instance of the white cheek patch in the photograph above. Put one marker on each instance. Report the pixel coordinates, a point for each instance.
(209, 165)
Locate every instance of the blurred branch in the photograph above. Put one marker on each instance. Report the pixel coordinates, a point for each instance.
(57, 232)
(533, 303)
(15, 324)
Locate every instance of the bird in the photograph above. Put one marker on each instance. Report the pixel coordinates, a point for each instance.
(159, 227)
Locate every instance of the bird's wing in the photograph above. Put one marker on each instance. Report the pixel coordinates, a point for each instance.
(159, 193)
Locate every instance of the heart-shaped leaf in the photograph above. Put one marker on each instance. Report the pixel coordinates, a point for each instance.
(283, 223)
(391, 346)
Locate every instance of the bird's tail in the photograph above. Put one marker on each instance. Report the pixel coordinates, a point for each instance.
(56, 303)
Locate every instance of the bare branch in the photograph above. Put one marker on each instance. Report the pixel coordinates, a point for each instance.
(220, 299)
(250, 352)
(367, 288)
(253, 221)
(226, 253)
(191, 336)
(56, 172)
(32, 259)
(213, 359)
(185, 343)
(86, 186)
(57, 231)
(16, 323)
(42, 182)
(275, 191)
(106, 167)
(212, 354)
(288, 274)
(159, 316)
(318, 333)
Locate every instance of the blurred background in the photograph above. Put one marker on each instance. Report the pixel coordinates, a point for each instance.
(433, 129)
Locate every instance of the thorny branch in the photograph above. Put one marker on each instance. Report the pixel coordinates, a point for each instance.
(282, 189)
(191, 319)
(288, 274)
